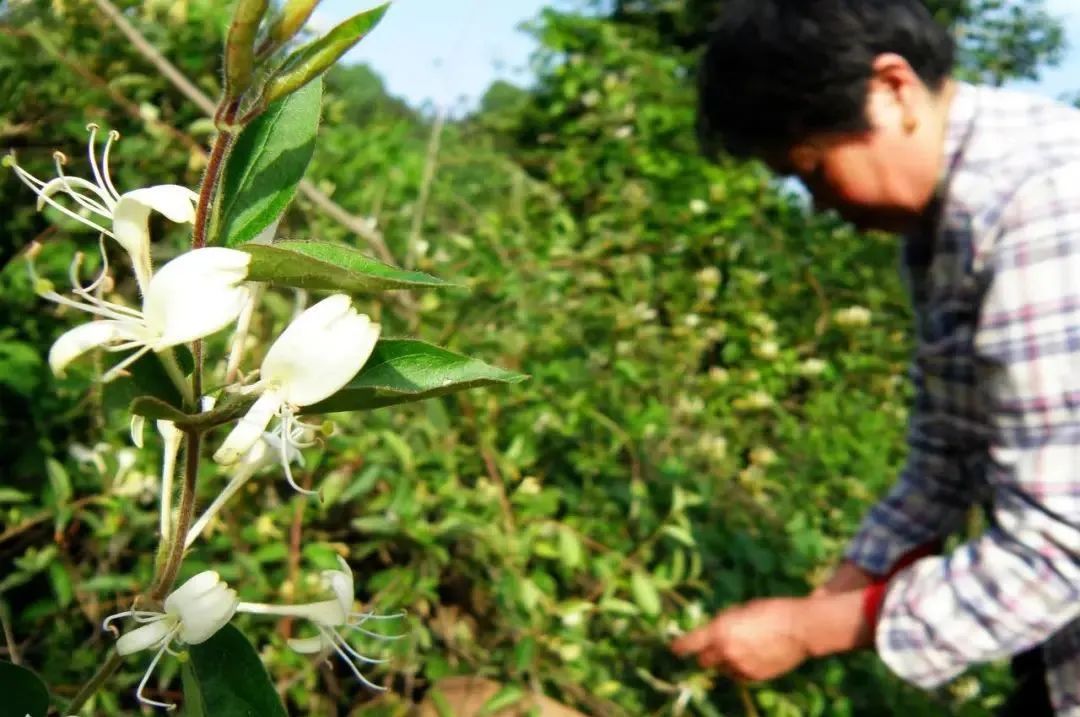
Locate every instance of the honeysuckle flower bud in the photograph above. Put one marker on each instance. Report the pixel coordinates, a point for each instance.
(171, 437)
(327, 616)
(192, 614)
(129, 212)
(193, 296)
(316, 355)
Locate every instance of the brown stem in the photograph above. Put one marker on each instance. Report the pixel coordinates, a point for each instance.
(167, 576)
(215, 165)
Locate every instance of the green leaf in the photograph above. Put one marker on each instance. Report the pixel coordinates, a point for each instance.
(333, 267)
(266, 165)
(61, 583)
(406, 370)
(156, 409)
(524, 654)
(226, 678)
(58, 481)
(645, 593)
(317, 57)
(24, 694)
(507, 696)
(10, 495)
(570, 548)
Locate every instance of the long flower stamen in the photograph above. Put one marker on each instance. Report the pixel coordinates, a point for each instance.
(353, 651)
(150, 670)
(73, 274)
(90, 147)
(356, 619)
(355, 670)
(93, 305)
(38, 187)
(287, 417)
(137, 615)
(98, 307)
(119, 368)
(68, 183)
(113, 137)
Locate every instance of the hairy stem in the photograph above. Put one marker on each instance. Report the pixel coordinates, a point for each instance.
(215, 166)
(175, 555)
(176, 374)
(94, 683)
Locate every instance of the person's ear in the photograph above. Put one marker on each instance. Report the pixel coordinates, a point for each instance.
(894, 76)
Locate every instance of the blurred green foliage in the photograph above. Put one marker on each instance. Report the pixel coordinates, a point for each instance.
(717, 382)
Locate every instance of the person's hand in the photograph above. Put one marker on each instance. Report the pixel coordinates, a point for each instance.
(760, 640)
(846, 578)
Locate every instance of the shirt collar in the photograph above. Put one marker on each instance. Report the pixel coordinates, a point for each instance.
(958, 129)
(959, 126)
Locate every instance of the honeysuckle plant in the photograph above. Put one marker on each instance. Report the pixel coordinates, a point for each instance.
(206, 400)
(332, 618)
(191, 615)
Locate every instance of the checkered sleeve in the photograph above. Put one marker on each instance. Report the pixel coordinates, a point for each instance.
(1019, 582)
(929, 500)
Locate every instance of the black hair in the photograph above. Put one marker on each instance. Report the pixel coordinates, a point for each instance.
(775, 71)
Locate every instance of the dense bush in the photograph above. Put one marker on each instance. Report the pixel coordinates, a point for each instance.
(717, 382)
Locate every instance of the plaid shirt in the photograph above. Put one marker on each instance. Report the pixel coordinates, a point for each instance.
(996, 420)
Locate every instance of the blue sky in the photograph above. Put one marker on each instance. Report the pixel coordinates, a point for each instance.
(444, 52)
(439, 51)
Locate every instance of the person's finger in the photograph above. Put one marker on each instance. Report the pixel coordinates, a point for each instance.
(713, 657)
(691, 642)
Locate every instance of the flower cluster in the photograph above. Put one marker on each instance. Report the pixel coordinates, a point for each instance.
(192, 297)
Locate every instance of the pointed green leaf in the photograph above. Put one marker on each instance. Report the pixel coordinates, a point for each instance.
(317, 57)
(24, 694)
(266, 165)
(406, 370)
(156, 409)
(645, 593)
(226, 678)
(333, 267)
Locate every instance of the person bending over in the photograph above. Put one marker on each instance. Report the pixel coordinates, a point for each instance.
(856, 99)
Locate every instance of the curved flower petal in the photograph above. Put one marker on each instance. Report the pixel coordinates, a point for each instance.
(132, 213)
(193, 587)
(340, 582)
(77, 341)
(320, 351)
(138, 424)
(309, 645)
(207, 614)
(195, 295)
(249, 429)
(175, 202)
(202, 605)
(132, 232)
(145, 637)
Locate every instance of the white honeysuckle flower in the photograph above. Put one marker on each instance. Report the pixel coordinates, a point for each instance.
(171, 437)
(129, 212)
(263, 454)
(192, 614)
(312, 359)
(327, 616)
(194, 295)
